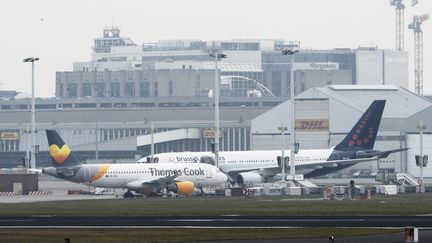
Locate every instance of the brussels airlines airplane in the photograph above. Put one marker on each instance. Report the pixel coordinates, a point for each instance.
(144, 178)
(252, 167)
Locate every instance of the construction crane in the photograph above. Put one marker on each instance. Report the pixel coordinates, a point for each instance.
(418, 51)
(400, 8)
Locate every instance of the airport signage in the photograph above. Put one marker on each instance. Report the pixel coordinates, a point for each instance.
(10, 136)
(210, 133)
(316, 66)
(312, 125)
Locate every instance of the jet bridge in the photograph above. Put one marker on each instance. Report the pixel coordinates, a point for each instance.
(172, 135)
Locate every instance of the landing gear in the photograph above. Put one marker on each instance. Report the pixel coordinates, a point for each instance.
(128, 194)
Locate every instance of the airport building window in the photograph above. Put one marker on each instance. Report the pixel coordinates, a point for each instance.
(156, 89)
(86, 89)
(72, 90)
(86, 105)
(61, 91)
(115, 89)
(277, 83)
(129, 89)
(144, 89)
(45, 106)
(170, 88)
(100, 90)
(106, 105)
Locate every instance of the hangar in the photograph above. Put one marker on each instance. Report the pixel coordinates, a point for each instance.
(324, 115)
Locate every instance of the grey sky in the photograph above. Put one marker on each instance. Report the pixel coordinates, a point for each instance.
(61, 32)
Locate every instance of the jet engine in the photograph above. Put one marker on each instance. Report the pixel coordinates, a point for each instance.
(183, 187)
(249, 178)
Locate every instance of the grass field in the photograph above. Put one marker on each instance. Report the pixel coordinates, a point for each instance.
(403, 204)
(175, 235)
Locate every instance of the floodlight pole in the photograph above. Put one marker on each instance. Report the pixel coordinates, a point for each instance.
(283, 165)
(421, 128)
(217, 121)
(96, 93)
(216, 57)
(152, 143)
(292, 52)
(32, 164)
(292, 95)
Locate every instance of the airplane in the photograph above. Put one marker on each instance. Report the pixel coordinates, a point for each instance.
(148, 179)
(252, 167)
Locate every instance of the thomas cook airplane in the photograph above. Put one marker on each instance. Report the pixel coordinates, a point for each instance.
(143, 178)
(251, 167)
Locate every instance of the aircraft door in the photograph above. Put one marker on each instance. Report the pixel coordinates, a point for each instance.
(208, 173)
(87, 173)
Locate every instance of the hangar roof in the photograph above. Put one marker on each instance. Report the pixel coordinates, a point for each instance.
(348, 102)
(401, 103)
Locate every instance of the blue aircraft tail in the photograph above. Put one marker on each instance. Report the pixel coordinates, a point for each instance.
(362, 136)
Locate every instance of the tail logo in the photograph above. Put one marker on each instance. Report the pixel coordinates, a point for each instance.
(361, 137)
(59, 154)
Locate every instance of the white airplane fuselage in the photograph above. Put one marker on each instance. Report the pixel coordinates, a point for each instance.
(245, 160)
(120, 175)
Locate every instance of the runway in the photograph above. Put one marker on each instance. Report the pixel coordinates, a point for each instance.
(223, 221)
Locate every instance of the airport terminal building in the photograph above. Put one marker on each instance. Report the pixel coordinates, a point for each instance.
(124, 132)
(128, 90)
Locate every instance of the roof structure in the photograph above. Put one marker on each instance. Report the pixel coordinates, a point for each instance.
(401, 103)
(347, 102)
(233, 67)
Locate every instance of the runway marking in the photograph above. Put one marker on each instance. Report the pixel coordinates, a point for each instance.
(17, 220)
(262, 220)
(194, 227)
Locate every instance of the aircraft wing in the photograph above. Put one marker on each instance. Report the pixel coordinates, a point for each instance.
(384, 154)
(262, 171)
(333, 163)
(368, 157)
(157, 183)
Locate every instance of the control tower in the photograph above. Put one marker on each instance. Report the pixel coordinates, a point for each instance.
(111, 37)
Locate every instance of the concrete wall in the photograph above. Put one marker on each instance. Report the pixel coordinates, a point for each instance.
(29, 182)
(396, 68)
(370, 67)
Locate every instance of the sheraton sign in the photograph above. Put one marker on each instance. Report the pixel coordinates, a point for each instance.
(316, 66)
